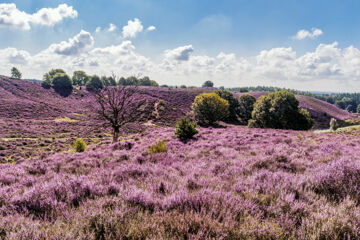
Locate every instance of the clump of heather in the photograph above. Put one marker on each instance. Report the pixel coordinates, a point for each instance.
(232, 183)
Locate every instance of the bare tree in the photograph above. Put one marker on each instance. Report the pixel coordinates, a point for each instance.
(118, 106)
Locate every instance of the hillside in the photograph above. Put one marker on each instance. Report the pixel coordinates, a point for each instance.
(227, 183)
(320, 111)
(31, 101)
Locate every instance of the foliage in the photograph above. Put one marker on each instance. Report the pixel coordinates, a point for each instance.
(94, 84)
(333, 124)
(233, 104)
(280, 110)
(346, 101)
(108, 81)
(15, 73)
(185, 129)
(80, 78)
(62, 84)
(49, 77)
(208, 84)
(209, 108)
(136, 81)
(79, 145)
(245, 108)
(358, 108)
(159, 147)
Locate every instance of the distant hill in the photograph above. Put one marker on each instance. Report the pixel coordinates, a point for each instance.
(25, 99)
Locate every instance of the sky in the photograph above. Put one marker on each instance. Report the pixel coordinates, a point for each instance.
(300, 44)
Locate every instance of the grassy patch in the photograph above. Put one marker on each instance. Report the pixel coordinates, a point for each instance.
(65, 119)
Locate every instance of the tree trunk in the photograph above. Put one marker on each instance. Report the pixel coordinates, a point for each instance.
(116, 135)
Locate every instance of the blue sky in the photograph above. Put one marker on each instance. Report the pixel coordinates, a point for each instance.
(257, 40)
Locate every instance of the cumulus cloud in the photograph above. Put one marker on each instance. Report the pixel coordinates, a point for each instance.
(302, 34)
(98, 29)
(112, 27)
(132, 28)
(74, 45)
(180, 53)
(12, 17)
(327, 67)
(14, 56)
(151, 28)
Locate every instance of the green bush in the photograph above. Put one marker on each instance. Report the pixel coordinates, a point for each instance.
(159, 147)
(94, 84)
(185, 129)
(62, 84)
(209, 108)
(280, 110)
(233, 104)
(246, 106)
(79, 145)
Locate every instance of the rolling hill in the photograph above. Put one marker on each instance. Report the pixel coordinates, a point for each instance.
(23, 99)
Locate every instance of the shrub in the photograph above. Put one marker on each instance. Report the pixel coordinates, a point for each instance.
(159, 147)
(185, 129)
(208, 84)
(333, 124)
(233, 104)
(246, 106)
(94, 84)
(209, 108)
(79, 145)
(280, 110)
(62, 84)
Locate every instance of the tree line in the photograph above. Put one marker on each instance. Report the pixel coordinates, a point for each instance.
(347, 101)
(63, 83)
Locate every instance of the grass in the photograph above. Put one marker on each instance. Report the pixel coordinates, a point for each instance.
(65, 119)
(339, 130)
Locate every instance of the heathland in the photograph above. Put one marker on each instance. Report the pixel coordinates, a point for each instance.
(227, 182)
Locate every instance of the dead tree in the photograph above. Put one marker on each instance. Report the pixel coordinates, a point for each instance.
(119, 106)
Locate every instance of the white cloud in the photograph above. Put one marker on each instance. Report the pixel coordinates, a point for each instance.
(180, 53)
(328, 67)
(151, 28)
(12, 17)
(98, 29)
(302, 34)
(132, 28)
(74, 45)
(112, 27)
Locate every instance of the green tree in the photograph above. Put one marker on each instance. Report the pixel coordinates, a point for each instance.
(62, 84)
(15, 73)
(80, 78)
(209, 108)
(94, 84)
(233, 104)
(48, 77)
(280, 110)
(245, 108)
(208, 84)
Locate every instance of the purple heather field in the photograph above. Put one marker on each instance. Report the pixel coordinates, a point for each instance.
(229, 182)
